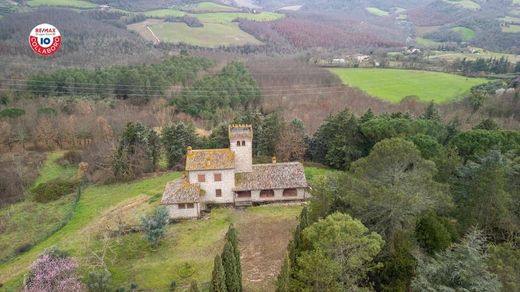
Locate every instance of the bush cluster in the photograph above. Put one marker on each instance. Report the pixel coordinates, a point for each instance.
(53, 189)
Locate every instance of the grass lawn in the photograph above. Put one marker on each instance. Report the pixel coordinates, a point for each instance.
(164, 12)
(376, 11)
(65, 3)
(467, 34)
(96, 202)
(51, 169)
(394, 85)
(210, 6)
(467, 4)
(211, 35)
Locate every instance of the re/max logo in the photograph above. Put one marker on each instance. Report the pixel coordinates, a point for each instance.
(45, 30)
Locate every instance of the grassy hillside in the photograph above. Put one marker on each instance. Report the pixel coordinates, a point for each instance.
(210, 6)
(185, 254)
(219, 28)
(64, 3)
(28, 221)
(394, 85)
(467, 34)
(211, 35)
(376, 11)
(466, 4)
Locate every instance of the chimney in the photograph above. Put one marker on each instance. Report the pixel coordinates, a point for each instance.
(189, 150)
(274, 159)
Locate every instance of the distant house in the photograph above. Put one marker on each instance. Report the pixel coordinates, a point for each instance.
(228, 176)
(339, 61)
(362, 58)
(104, 7)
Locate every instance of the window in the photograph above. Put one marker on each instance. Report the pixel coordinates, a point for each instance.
(243, 143)
(246, 194)
(266, 194)
(217, 177)
(190, 206)
(290, 193)
(182, 206)
(201, 178)
(238, 143)
(218, 193)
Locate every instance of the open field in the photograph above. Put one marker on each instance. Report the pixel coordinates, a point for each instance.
(427, 42)
(452, 56)
(64, 3)
(219, 28)
(394, 85)
(229, 17)
(211, 35)
(467, 4)
(467, 34)
(209, 6)
(376, 11)
(164, 12)
(185, 254)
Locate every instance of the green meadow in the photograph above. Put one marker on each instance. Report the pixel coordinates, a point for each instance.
(376, 11)
(64, 3)
(219, 28)
(394, 85)
(467, 34)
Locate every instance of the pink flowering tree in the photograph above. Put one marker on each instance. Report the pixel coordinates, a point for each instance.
(53, 271)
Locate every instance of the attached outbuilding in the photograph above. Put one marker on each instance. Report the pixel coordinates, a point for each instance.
(182, 199)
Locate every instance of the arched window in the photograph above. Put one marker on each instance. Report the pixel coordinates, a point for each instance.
(238, 143)
(243, 143)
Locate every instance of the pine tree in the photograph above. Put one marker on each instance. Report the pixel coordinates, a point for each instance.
(284, 278)
(232, 238)
(230, 268)
(218, 280)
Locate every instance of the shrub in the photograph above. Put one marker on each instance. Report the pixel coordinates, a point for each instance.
(12, 113)
(99, 281)
(154, 225)
(70, 158)
(53, 189)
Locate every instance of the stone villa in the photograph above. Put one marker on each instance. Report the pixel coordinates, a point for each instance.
(228, 176)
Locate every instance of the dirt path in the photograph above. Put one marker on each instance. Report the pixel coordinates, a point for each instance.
(263, 245)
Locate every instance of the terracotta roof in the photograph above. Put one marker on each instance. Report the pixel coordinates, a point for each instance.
(181, 191)
(272, 176)
(210, 159)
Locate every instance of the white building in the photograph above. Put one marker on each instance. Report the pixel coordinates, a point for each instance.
(228, 176)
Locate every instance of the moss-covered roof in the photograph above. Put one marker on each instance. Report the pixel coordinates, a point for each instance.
(181, 191)
(272, 176)
(210, 159)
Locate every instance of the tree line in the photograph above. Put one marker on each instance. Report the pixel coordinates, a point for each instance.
(135, 81)
(420, 205)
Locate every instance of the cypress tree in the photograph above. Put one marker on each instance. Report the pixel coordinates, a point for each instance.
(232, 238)
(218, 280)
(230, 268)
(284, 278)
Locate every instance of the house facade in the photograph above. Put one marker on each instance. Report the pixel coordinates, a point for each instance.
(228, 176)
